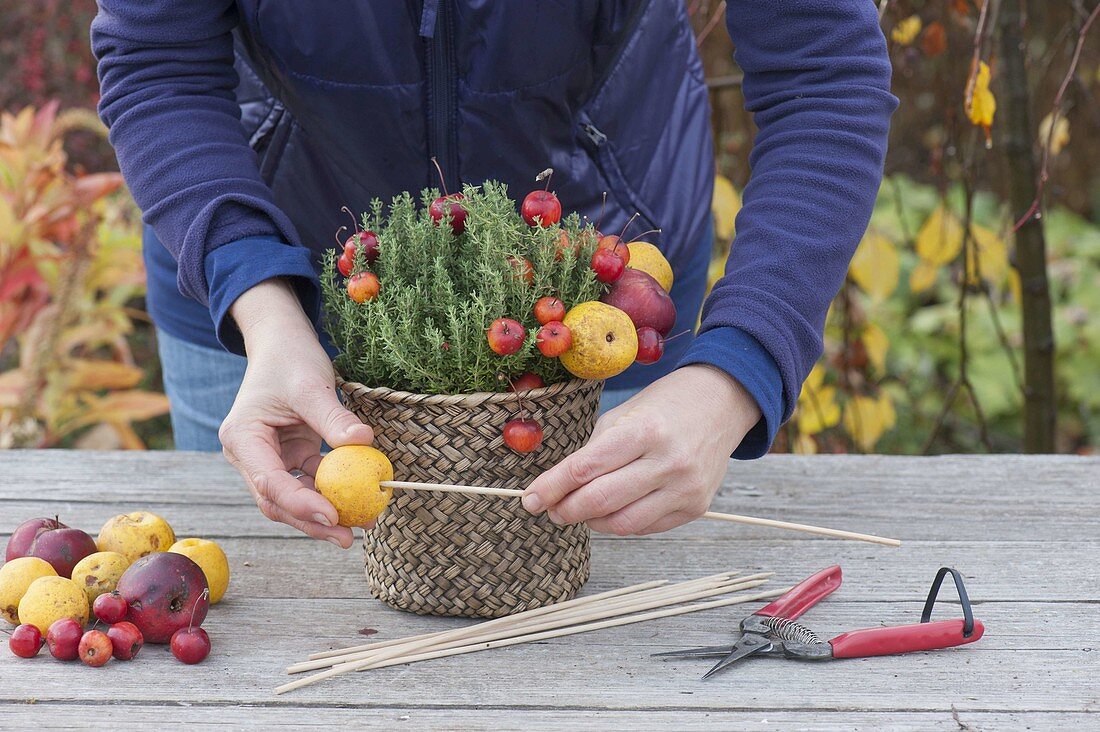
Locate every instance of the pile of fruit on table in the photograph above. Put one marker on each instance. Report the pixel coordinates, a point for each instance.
(621, 312)
(135, 581)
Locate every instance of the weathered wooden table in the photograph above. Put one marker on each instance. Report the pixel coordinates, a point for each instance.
(1022, 530)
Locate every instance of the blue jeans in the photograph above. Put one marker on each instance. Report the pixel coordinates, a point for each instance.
(202, 383)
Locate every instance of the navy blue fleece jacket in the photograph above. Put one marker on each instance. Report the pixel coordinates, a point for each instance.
(817, 80)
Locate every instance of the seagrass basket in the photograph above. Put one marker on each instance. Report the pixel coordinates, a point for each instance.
(436, 553)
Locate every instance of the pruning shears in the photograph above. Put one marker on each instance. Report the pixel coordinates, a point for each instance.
(772, 630)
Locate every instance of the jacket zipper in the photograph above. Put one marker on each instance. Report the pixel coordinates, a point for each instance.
(443, 97)
(627, 33)
(609, 167)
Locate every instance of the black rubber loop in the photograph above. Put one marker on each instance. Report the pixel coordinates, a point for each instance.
(968, 612)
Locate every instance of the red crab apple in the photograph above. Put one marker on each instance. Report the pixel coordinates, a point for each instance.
(126, 640)
(63, 638)
(526, 381)
(651, 345)
(607, 265)
(541, 208)
(96, 648)
(616, 245)
(190, 645)
(110, 608)
(523, 435)
(506, 336)
(451, 202)
(19, 545)
(554, 339)
(563, 245)
(25, 641)
(641, 297)
(522, 269)
(363, 286)
(345, 264)
(164, 591)
(63, 548)
(364, 241)
(549, 309)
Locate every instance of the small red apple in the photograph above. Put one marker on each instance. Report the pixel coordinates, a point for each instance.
(554, 339)
(607, 265)
(452, 203)
(523, 435)
(126, 640)
(110, 608)
(563, 245)
(651, 345)
(549, 309)
(522, 269)
(364, 241)
(190, 645)
(345, 264)
(526, 381)
(506, 336)
(19, 545)
(63, 548)
(541, 208)
(165, 591)
(616, 245)
(95, 648)
(363, 286)
(25, 641)
(63, 638)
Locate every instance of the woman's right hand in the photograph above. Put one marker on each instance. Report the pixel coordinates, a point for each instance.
(286, 406)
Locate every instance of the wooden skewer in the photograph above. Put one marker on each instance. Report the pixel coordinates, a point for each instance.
(568, 608)
(529, 638)
(714, 515)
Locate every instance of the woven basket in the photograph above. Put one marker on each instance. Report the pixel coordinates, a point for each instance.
(436, 553)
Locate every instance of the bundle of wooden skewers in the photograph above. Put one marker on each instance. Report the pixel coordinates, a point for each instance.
(634, 604)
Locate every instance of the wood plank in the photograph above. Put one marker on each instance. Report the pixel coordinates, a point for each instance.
(913, 498)
(478, 719)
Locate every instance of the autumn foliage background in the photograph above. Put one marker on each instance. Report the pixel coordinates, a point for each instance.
(925, 345)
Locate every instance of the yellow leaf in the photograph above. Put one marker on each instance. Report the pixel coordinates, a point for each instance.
(992, 257)
(983, 105)
(875, 341)
(922, 277)
(940, 239)
(123, 406)
(715, 270)
(875, 266)
(1014, 285)
(804, 445)
(87, 374)
(906, 31)
(815, 379)
(818, 410)
(867, 419)
(724, 205)
(1060, 137)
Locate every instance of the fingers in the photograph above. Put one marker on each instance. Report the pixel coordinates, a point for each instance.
(606, 494)
(321, 409)
(338, 535)
(253, 452)
(605, 453)
(657, 511)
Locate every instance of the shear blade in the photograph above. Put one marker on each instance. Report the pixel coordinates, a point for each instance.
(703, 652)
(746, 647)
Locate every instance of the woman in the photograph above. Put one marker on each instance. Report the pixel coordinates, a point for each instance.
(242, 127)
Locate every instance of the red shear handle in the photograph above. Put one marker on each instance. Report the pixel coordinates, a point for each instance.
(903, 639)
(804, 595)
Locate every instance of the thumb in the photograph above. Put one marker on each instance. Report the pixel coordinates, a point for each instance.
(323, 412)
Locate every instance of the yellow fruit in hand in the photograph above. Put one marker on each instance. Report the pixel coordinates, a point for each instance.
(133, 535)
(15, 577)
(648, 258)
(50, 599)
(208, 555)
(98, 573)
(604, 341)
(349, 476)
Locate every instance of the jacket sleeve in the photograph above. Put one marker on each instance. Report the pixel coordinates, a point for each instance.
(167, 83)
(817, 80)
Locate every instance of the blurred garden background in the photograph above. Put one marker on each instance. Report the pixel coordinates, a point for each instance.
(968, 322)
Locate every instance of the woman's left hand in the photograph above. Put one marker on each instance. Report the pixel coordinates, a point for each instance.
(656, 461)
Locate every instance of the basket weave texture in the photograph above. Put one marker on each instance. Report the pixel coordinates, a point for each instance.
(437, 553)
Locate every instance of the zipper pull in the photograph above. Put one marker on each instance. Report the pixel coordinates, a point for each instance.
(598, 138)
